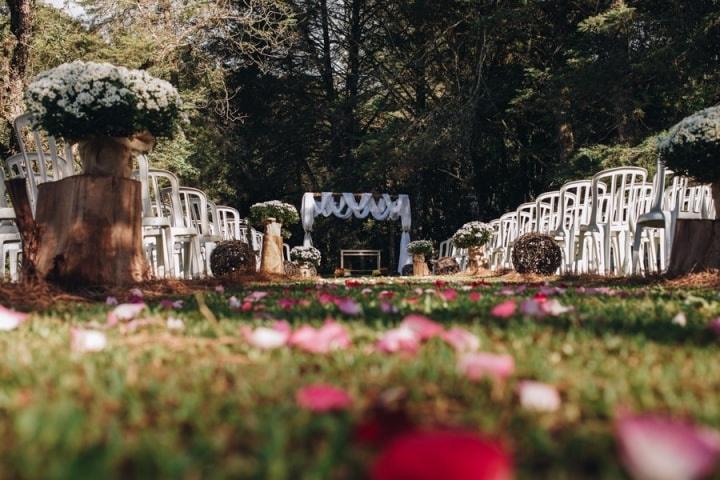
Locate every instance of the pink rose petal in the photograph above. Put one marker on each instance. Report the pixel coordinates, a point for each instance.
(331, 336)
(554, 308)
(474, 296)
(255, 296)
(658, 448)
(504, 310)
(461, 340)
(476, 366)
(267, 338)
(348, 306)
(10, 319)
(399, 340)
(423, 327)
(538, 396)
(449, 294)
(532, 308)
(321, 398)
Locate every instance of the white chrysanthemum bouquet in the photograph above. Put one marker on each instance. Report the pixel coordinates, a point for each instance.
(306, 255)
(420, 247)
(108, 110)
(472, 234)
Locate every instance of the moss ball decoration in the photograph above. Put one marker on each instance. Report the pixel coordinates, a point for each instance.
(446, 266)
(291, 268)
(232, 257)
(692, 146)
(536, 253)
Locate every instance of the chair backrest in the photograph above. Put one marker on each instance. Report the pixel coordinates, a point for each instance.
(163, 198)
(444, 248)
(576, 204)
(549, 213)
(7, 213)
(495, 233)
(55, 158)
(526, 218)
(213, 219)
(195, 208)
(618, 203)
(508, 229)
(229, 221)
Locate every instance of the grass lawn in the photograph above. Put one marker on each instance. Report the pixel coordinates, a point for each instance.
(201, 402)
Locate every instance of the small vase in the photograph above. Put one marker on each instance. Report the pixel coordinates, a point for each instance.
(307, 270)
(272, 261)
(420, 268)
(475, 260)
(102, 155)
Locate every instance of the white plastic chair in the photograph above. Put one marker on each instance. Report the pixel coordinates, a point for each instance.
(229, 220)
(548, 211)
(199, 212)
(612, 220)
(49, 158)
(10, 240)
(507, 234)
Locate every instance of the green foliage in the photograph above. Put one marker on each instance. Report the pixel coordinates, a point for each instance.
(692, 147)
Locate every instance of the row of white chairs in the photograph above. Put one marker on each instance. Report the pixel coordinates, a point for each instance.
(615, 223)
(181, 226)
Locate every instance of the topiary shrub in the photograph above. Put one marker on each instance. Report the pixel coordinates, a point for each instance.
(536, 253)
(692, 147)
(291, 268)
(446, 266)
(232, 257)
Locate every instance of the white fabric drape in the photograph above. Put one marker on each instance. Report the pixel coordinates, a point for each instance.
(346, 205)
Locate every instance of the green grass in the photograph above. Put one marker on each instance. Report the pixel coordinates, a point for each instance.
(202, 403)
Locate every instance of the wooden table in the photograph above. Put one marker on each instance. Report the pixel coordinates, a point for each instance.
(363, 254)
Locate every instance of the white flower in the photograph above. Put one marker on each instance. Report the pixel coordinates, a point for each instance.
(82, 341)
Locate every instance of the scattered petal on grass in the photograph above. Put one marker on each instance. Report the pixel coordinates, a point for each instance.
(168, 304)
(449, 294)
(331, 336)
(255, 296)
(680, 319)
(267, 338)
(219, 289)
(388, 307)
(234, 303)
(661, 448)
(399, 340)
(446, 455)
(82, 341)
(321, 398)
(474, 296)
(124, 312)
(111, 301)
(476, 366)
(423, 327)
(284, 303)
(538, 396)
(554, 308)
(136, 295)
(10, 319)
(348, 306)
(532, 308)
(504, 310)
(175, 324)
(714, 326)
(461, 340)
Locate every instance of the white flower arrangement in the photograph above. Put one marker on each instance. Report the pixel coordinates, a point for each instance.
(472, 234)
(80, 99)
(280, 211)
(306, 255)
(420, 247)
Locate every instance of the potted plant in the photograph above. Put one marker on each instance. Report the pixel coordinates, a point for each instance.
(473, 236)
(273, 215)
(308, 259)
(419, 249)
(110, 112)
(692, 148)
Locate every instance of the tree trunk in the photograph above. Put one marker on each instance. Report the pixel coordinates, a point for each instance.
(696, 247)
(29, 232)
(91, 231)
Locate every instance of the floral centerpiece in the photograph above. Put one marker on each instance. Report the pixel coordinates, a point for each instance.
(473, 235)
(306, 256)
(273, 215)
(692, 147)
(109, 111)
(419, 249)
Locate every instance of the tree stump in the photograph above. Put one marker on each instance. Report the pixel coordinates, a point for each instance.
(696, 247)
(91, 231)
(271, 259)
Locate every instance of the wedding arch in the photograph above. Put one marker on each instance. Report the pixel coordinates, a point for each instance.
(362, 205)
